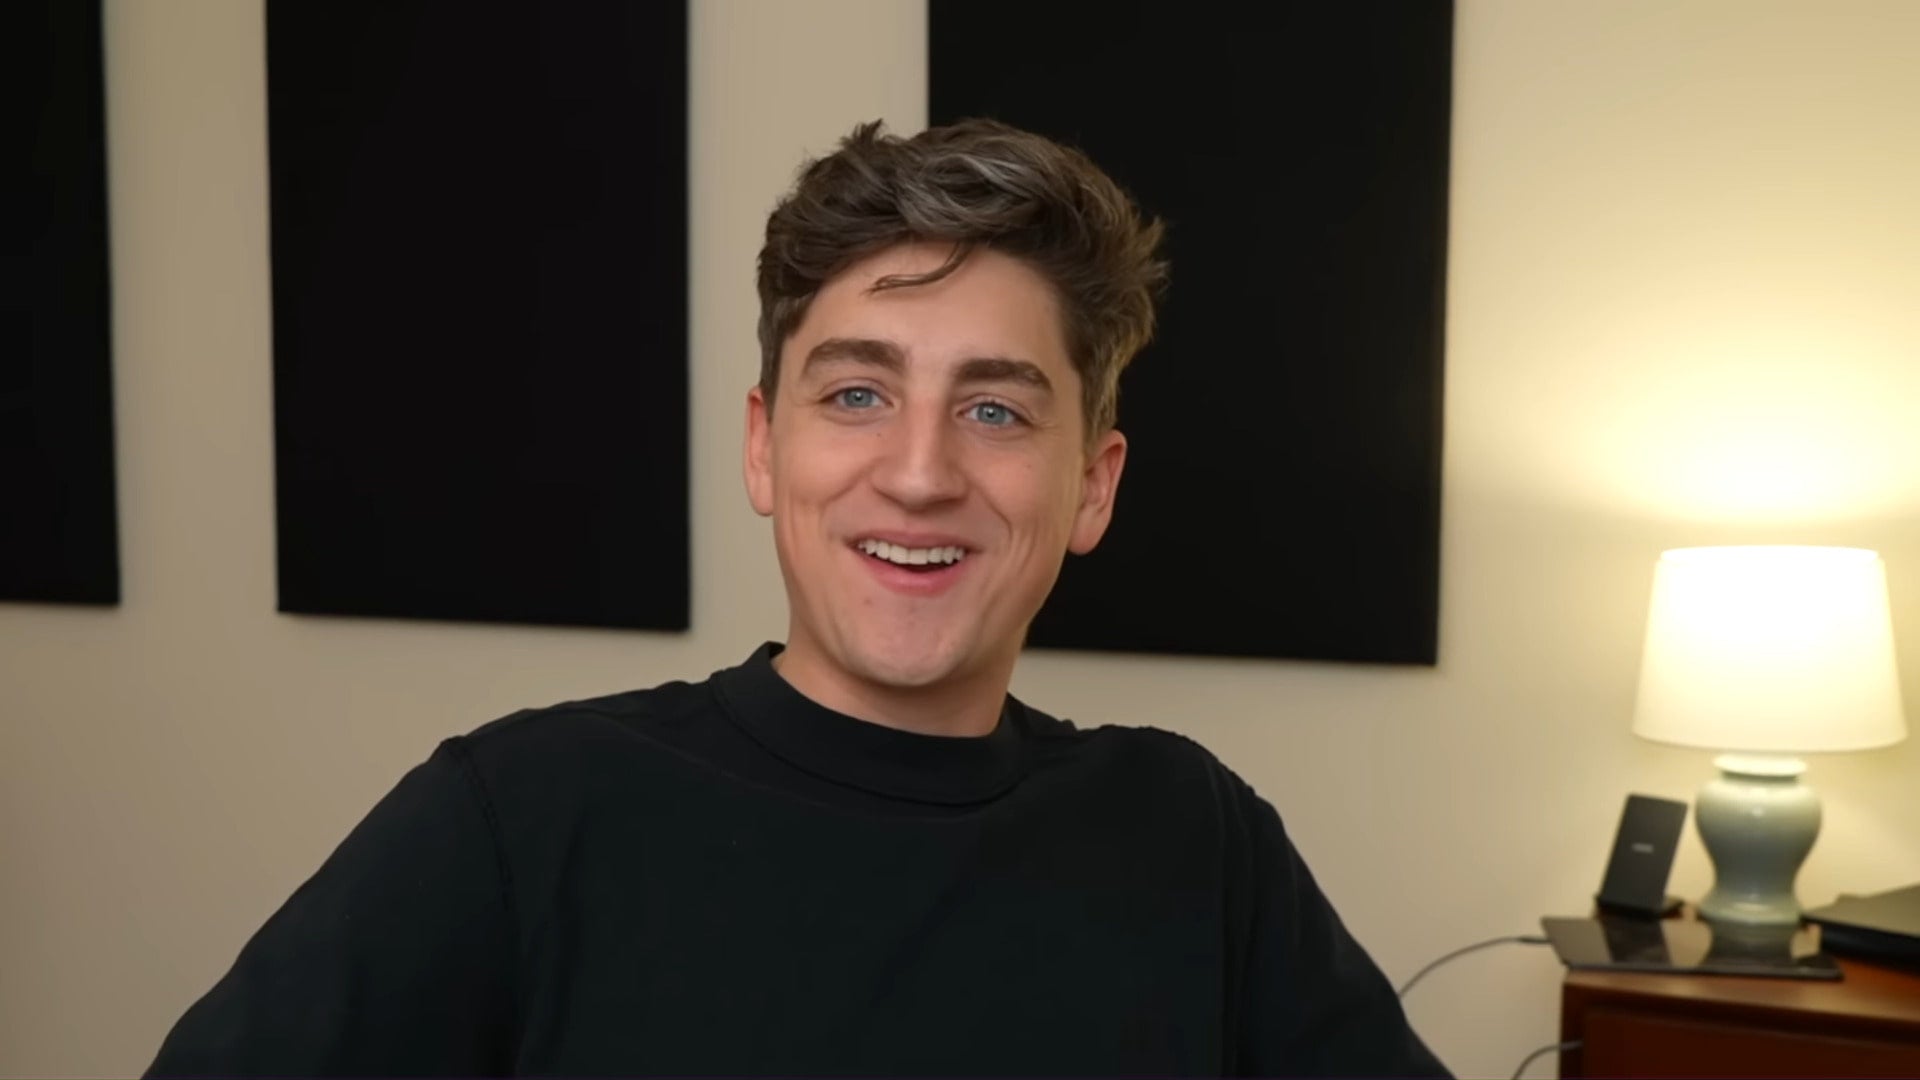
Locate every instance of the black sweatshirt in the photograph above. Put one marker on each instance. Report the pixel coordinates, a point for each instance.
(725, 877)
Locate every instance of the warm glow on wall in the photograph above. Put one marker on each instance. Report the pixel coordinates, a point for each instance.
(1696, 298)
(1722, 423)
(1766, 450)
(1809, 426)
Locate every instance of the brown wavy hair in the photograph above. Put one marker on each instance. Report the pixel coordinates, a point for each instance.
(975, 183)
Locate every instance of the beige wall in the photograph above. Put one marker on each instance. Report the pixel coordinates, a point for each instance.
(1684, 307)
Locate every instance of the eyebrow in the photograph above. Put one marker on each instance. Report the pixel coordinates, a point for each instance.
(1000, 369)
(871, 352)
(874, 352)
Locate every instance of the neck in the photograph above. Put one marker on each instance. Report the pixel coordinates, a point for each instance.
(962, 707)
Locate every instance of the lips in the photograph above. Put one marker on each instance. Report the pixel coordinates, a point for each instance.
(934, 555)
(918, 565)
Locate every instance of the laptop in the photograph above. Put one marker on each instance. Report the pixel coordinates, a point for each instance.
(1884, 926)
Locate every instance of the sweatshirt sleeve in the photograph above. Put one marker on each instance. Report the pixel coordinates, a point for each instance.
(1312, 1002)
(394, 959)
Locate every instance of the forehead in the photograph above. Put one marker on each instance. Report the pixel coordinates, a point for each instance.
(992, 304)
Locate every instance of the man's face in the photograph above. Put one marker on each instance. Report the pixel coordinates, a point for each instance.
(926, 467)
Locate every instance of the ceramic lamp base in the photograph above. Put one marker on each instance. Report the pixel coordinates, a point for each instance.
(1758, 822)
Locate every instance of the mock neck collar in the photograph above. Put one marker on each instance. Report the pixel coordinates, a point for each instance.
(938, 769)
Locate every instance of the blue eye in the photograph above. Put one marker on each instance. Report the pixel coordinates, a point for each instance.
(857, 397)
(994, 414)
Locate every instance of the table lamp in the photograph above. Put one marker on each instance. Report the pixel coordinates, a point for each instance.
(1766, 652)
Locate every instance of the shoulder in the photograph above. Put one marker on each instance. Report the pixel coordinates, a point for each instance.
(567, 721)
(537, 750)
(1140, 751)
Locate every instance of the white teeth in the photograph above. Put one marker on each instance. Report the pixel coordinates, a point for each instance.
(904, 556)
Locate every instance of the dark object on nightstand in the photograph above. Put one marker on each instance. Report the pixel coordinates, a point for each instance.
(1636, 881)
(1633, 1024)
(1885, 926)
(1689, 947)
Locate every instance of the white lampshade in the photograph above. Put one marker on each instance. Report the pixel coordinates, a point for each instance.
(1770, 650)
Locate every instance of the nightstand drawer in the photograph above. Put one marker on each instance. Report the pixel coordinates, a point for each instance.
(1631, 1042)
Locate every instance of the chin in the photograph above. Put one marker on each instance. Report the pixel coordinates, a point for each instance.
(898, 665)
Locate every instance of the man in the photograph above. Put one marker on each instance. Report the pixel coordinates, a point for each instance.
(855, 854)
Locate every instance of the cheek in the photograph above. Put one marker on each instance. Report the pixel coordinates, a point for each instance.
(812, 469)
(1036, 498)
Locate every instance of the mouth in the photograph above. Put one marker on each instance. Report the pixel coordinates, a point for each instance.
(920, 560)
(924, 569)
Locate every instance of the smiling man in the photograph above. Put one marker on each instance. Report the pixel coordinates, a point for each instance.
(854, 854)
(926, 469)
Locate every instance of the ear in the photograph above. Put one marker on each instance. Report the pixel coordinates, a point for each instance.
(1098, 487)
(758, 466)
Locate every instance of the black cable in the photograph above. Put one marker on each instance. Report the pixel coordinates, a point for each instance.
(1521, 939)
(1570, 1044)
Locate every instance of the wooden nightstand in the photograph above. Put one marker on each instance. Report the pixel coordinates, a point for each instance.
(1720, 1025)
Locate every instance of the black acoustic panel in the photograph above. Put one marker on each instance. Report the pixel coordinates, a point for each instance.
(59, 536)
(1282, 492)
(479, 300)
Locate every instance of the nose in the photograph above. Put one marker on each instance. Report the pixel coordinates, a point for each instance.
(919, 466)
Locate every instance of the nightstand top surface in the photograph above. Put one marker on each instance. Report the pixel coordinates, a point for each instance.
(1868, 992)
